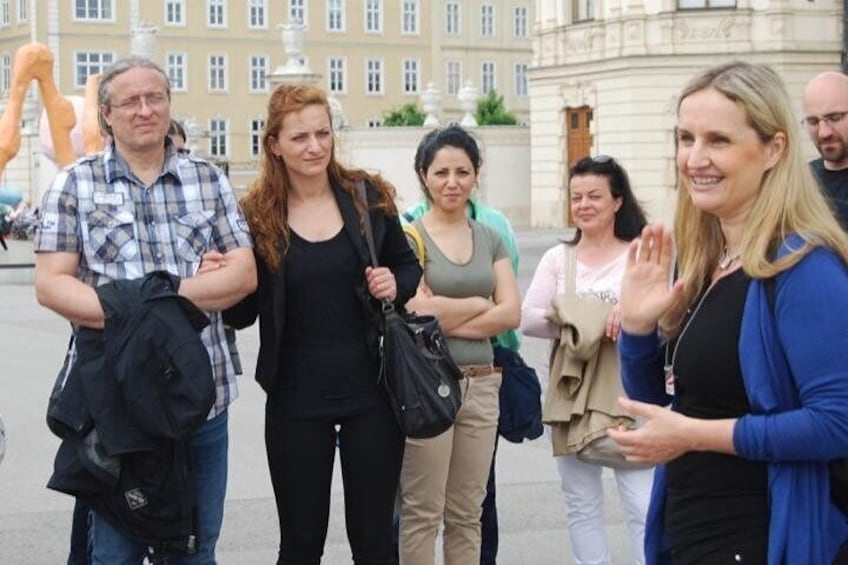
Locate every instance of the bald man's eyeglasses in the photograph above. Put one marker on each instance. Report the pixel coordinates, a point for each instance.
(830, 119)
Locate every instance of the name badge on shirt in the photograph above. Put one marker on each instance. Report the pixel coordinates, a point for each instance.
(669, 380)
(108, 198)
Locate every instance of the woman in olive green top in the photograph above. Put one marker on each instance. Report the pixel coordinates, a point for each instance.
(470, 286)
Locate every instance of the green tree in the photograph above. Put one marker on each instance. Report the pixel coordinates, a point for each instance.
(491, 111)
(406, 115)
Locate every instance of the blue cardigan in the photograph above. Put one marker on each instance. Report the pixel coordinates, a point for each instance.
(795, 370)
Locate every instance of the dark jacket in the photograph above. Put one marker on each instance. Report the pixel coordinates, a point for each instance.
(126, 410)
(268, 301)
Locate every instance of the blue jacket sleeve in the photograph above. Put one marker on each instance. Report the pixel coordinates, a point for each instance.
(806, 418)
(642, 368)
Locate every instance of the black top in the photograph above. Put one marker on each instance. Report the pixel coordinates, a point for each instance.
(327, 368)
(715, 501)
(835, 185)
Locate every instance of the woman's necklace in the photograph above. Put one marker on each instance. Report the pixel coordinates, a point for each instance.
(728, 259)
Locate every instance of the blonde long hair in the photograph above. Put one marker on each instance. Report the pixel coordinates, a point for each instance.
(789, 202)
(266, 204)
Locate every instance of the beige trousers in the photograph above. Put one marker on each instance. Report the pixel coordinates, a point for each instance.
(444, 479)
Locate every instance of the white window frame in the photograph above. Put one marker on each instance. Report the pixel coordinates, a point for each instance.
(373, 15)
(255, 149)
(410, 11)
(5, 72)
(92, 67)
(520, 22)
(410, 76)
(220, 9)
(584, 10)
(174, 68)
(488, 23)
(100, 6)
(257, 73)
(520, 78)
(453, 77)
(336, 16)
(218, 138)
(299, 10)
(257, 9)
(375, 72)
(5, 13)
(337, 69)
(453, 18)
(488, 76)
(23, 11)
(213, 72)
(179, 12)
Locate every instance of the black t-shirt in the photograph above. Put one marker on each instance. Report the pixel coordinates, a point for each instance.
(835, 185)
(716, 502)
(327, 369)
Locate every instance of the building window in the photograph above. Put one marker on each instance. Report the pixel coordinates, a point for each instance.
(335, 15)
(700, 4)
(374, 16)
(519, 27)
(217, 13)
(374, 76)
(452, 18)
(375, 122)
(257, 127)
(521, 79)
(23, 10)
(217, 73)
(336, 75)
(90, 63)
(583, 10)
(258, 73)
(5, 72)
(409, 17)
(487, 20)
(5, 13)
(218, 137)
(487, 76)
(175, 66)
(297, 11)
(411, 76)
(98, 10)
(175, 12)
(453, 76)
(256, 14)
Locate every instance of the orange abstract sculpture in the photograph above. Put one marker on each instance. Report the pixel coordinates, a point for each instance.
(34, 61)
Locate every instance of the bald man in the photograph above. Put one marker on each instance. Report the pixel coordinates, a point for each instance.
(826, 119)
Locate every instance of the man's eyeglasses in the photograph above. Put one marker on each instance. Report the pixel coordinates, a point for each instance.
(151, 99)
(830, 119)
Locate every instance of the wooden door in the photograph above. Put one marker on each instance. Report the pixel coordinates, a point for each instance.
(579, 142)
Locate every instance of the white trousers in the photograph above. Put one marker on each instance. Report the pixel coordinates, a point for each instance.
(584, 502)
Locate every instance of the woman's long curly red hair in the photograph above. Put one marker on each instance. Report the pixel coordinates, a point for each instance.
(265, 206)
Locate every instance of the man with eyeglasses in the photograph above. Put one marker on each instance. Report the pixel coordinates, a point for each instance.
(826, 120)
(135, 208)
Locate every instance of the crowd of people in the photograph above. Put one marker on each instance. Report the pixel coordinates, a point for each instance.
(703, 359)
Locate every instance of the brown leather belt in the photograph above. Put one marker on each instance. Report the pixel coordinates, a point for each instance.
(471, 371)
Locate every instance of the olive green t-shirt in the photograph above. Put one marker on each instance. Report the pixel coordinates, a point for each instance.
(474, 278)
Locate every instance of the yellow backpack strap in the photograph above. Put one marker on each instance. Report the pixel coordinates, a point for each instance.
(414, 236)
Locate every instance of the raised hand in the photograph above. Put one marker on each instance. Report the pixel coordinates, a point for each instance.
(645, 291)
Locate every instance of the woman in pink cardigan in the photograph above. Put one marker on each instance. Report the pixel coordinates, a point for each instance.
(607, 217)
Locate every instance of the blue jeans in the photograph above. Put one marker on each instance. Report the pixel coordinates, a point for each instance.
(209, 460)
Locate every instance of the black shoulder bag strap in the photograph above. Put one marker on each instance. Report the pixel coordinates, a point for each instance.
(369, 234)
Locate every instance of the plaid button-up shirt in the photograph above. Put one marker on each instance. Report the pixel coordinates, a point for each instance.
(123, 229)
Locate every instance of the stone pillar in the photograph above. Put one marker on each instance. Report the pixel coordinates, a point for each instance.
(143, 40)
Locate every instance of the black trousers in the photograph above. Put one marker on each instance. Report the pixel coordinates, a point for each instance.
(300, 456)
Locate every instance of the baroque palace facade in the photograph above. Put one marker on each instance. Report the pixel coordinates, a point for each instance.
(370, 55)
(606, 74)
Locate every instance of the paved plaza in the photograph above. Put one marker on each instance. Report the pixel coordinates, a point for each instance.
(35, 522)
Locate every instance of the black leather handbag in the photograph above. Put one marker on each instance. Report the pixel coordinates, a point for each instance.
(419, 375)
